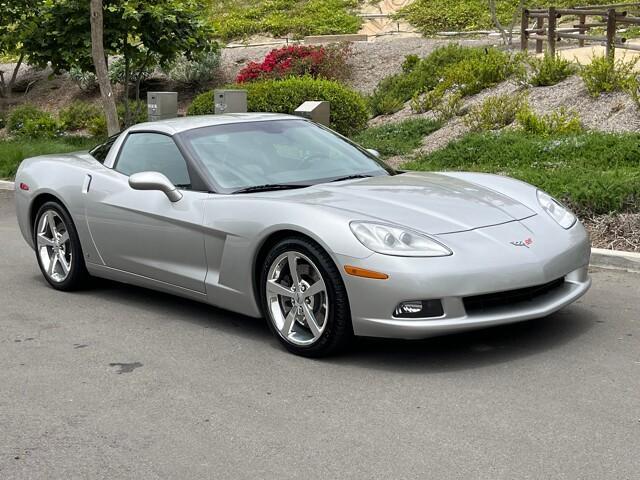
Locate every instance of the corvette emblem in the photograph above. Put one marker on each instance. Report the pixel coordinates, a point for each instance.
(523, 243)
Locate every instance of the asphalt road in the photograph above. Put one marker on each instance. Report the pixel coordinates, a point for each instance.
(118, 382)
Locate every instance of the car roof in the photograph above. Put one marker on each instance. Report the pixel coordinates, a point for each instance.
(176, 125)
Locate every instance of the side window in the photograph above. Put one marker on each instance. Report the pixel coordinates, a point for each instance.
(153, 152)
(101, 152)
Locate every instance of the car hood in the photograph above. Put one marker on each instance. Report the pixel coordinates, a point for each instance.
(429, 202)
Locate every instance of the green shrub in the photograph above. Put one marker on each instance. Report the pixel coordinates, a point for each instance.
(29, 121)
(3, 118)
(444, 105)
(473, 74)
(594, 173)
(138, 111)
(495, 112)
(426, 101)
(547, 70)
(448, 107)
(203, 104)
(604, 75)
(97, 125)
(450, 68)
(233, 19)
(559, 122)
(43, 126)
(198, 71)
(86, 81)
(410, 63)
(19, 115)
(349, 112)
(397, 138)
(384, 104)
(79, 115)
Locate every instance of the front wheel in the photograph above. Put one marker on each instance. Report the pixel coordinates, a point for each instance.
(58, 248)
(304, 299)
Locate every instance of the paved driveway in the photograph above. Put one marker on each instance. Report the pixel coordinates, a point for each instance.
(118, 382)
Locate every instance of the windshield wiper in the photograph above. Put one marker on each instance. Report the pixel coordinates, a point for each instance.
(351, 177)
(270, 186)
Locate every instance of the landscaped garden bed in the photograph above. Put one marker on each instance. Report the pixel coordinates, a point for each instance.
(451, 107)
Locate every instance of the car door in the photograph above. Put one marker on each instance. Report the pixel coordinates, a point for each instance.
(143, 232)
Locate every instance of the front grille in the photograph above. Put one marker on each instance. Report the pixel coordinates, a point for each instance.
(479, 303)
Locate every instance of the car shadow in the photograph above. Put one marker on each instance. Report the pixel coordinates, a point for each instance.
(473, 349)
(168, 305)
(462, 351)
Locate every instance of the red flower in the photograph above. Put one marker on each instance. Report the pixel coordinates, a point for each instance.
(286, 61)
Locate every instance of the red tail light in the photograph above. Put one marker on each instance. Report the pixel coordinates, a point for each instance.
(24, 186)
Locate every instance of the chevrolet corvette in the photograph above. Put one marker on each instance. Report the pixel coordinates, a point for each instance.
(274, 216)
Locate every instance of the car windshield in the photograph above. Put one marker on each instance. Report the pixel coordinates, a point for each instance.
(280, 153)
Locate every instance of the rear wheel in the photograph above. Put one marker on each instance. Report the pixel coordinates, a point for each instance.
(304, 299)
(58, 248)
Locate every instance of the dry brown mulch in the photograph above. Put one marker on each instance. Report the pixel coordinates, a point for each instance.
(615, 231)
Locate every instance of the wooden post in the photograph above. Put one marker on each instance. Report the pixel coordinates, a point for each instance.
(611, 33)
(524, 36)
(539, 27)
(583, 30)
(551, 32)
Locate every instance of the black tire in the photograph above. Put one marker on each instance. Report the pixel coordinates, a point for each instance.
(78, 275)
(338, 332)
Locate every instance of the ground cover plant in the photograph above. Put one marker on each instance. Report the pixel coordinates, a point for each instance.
(559, 122)
(594, 173)
(494, 113)
(431, 16)
(233, 19)
(397, 138)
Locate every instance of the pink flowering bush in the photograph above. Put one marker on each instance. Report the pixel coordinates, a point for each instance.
(329, 62)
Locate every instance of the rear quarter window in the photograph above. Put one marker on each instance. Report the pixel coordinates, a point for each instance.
(101, 152)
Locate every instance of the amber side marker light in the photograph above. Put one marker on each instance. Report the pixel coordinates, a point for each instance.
(363, 272)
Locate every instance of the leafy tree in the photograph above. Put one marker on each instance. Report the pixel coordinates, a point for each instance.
(144, 33)
(16, 17)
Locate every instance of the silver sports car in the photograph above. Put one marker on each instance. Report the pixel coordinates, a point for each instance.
(275, 216)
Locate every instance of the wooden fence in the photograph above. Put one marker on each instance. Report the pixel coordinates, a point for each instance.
(541, 26)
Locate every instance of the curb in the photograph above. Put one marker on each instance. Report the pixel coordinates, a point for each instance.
(4, 185)
(615, 259)
(600, 257)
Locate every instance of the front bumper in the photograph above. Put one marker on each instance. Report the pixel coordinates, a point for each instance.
(481, 264)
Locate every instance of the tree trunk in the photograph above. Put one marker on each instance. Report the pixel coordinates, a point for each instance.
(127, 74)
(6, 89)
(100, 64)
(507, 36)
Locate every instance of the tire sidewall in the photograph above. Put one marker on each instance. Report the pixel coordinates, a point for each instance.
(77, 273)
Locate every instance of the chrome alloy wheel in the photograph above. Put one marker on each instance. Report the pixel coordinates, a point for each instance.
(54, 246)
(297, 298)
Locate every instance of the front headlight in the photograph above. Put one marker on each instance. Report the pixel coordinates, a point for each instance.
(556, 210)
(397, 241)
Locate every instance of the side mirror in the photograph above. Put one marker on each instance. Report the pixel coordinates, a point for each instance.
(373, 152)
(154, 181)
